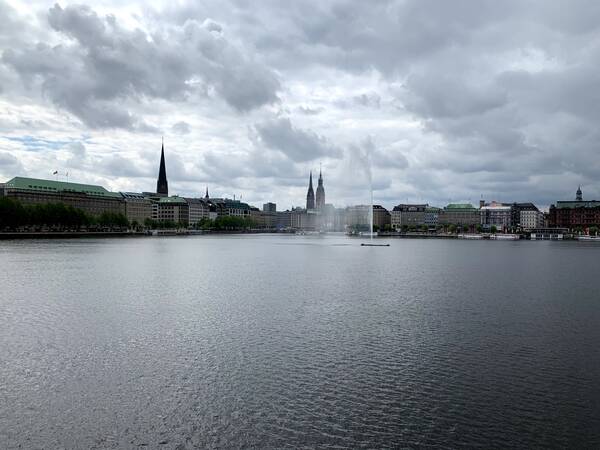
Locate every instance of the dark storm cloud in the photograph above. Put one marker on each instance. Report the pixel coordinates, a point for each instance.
(462, 97)
(103, 66)
(297, 144)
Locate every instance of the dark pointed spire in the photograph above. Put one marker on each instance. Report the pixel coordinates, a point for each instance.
(206, 196)
(320, 201)
(579, 194)
(162, 186)
(310, 195)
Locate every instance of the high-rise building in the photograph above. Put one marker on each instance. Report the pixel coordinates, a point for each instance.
(269, 207)
(310, 195)
(162, 187)
(320, 192)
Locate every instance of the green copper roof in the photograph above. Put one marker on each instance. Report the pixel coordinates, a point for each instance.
(460, 206)
(35, 184)
(577, 204)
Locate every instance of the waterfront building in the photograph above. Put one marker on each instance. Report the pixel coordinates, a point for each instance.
(228, 207)
(303, 219)
(575, 214)
(269, 207)
(497, 215)
(198, 209)
(408, 215)
(432, 216)
(138, 207)
(283, 220)
(310, 195)
(92, 199)
(517, 209)
(162, 186)
(173, 209)
(459, 214)
(358, 215)
(320, 202)
(531, 220)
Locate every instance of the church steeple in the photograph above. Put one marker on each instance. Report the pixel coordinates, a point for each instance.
(579, 194)
(310, 195)
(320, 192)
(162, 187)
(206, 196)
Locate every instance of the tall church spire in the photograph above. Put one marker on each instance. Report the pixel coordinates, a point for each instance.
(206, 196)
(320, 191)
(162, 187)
(310, 195)
(579, 194)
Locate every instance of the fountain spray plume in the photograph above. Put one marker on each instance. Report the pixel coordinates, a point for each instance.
(362, 153)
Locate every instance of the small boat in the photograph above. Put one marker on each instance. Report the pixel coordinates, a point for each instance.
(470, 236)
(374, 245)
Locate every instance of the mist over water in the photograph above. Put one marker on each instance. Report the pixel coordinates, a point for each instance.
(286, 341)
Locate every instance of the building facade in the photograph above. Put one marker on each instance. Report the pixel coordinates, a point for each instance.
(496, 215)
(575, 214)
(358, 215)
(198, 210)
(529, 220)
(459, 214)
(172, 209)
(408, 215)
(92, 199)
(138, 207)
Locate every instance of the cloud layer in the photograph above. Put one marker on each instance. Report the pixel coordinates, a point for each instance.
(453, 100)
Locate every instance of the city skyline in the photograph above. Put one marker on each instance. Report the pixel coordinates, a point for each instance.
(453, 103)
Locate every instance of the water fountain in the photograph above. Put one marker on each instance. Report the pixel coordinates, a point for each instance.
(366, 157)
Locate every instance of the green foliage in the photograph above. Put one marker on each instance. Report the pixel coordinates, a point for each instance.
(452, 228)
(479, 228)
(405, 228)
(494, 229)
(424, 228)
(593, 230)
(14, 215)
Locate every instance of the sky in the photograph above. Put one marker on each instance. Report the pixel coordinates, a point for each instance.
(434, 101)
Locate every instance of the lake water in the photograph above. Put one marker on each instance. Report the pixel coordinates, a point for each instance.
(272, 341)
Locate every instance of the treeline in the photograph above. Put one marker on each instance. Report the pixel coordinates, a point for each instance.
(221, 223)
(226, 223)
(15, 215)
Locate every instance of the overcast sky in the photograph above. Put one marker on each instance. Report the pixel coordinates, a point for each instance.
(446, 100)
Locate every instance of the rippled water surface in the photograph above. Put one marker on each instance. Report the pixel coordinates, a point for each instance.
(286, 341)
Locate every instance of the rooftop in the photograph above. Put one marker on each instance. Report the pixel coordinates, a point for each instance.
(35, 184)
(459, 206)
(577, 204)
(174, 200)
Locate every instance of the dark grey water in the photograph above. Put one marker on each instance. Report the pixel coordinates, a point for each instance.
(284, 341)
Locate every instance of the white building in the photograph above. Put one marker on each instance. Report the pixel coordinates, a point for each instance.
(496, 214)
(530, 220)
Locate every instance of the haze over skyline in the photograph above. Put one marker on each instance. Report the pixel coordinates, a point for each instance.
(453, 100)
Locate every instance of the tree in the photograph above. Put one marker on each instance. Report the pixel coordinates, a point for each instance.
(479, 228)
(452, 228)
(493, 229)
(593, 230)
